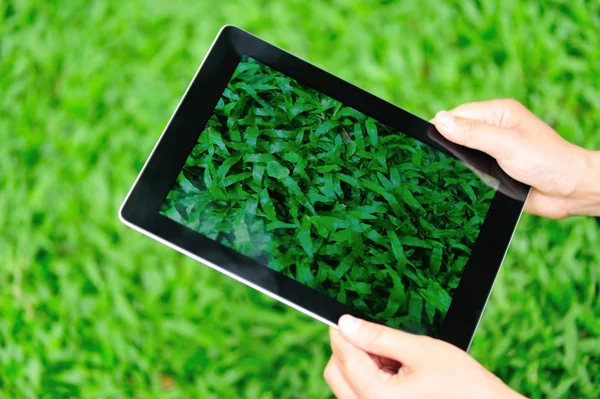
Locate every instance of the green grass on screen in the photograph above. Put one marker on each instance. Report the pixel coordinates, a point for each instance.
(334, 199)
(89, 308)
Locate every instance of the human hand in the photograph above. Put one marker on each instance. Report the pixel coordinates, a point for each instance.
(374, 361)
(563, 176)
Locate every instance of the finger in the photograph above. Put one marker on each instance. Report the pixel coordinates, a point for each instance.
(359, 370)
(546, 206)
(337, 382)
(494, 140)
(406, 348)
(494, 112)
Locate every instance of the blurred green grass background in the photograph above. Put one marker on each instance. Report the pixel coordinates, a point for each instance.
(89, 308)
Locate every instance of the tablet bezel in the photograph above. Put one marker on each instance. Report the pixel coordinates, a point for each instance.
(140, 208)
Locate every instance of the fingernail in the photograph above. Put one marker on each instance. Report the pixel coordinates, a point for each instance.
(445, 119)
(349, 324)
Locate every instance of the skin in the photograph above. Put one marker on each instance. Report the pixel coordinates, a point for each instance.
(375, 361)
(561, 174)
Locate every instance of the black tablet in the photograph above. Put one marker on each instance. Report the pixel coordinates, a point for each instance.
(325, 197)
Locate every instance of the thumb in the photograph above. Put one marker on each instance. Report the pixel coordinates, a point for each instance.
(493, 140)
(384, 341)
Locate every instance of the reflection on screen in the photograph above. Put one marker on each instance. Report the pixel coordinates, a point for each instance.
(331, 198)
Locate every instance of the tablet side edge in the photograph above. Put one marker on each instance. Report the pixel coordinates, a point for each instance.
(121, 218)
(497, 273)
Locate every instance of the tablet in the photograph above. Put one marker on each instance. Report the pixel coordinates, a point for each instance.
(324, 196)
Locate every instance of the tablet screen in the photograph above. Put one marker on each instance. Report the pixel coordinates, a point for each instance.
(332, 198)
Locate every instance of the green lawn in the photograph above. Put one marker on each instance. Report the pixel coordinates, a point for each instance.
(89, 308)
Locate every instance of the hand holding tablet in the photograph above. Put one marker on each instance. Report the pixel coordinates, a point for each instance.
(324, 196)
(371, 360)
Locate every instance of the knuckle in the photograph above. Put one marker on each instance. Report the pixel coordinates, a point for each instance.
(512, 104)
(425, 344)
(342, 359)
(469, 128)
(374, 334)
(513, 135)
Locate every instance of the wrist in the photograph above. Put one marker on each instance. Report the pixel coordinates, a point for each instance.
(585, 199)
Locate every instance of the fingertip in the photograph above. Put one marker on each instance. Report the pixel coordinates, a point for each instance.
(349, 325)
(444, 120)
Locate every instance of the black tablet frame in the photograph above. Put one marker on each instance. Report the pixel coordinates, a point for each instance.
(140, 209)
